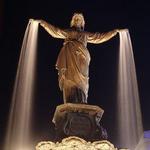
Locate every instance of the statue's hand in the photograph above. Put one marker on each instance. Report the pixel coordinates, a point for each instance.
(39, 21)
(30, 20)
(120, 30)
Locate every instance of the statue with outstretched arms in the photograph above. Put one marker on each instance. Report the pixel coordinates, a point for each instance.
(74, 58)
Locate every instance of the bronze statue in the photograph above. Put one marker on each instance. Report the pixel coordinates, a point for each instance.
(74, 58)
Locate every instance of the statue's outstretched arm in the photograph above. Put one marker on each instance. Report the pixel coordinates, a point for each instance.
(97, 38)
(53, 31)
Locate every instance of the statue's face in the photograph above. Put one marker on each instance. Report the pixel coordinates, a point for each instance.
(77, 20)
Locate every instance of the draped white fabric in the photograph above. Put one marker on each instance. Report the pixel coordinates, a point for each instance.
(129, 112)
(19, 124)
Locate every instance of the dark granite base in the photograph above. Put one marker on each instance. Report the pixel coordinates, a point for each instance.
(79, 120)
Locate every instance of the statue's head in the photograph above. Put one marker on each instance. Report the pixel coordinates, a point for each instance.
(77, 20)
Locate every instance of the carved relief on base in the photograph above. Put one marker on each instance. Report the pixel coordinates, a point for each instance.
(75, 143)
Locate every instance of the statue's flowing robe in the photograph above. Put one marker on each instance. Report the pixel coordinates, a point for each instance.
(73, 60)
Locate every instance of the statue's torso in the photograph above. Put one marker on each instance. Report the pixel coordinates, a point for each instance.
(75, 35)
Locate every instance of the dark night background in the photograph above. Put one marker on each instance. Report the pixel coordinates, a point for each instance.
(100, 16)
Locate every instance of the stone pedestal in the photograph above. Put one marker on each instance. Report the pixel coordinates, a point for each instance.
(79, 120)
(78, 127)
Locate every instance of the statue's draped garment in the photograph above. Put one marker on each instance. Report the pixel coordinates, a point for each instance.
(73, 60)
